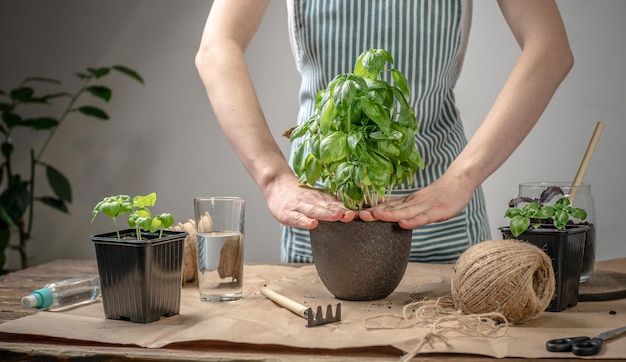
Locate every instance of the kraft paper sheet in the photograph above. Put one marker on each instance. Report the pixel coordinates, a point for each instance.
(258, 321)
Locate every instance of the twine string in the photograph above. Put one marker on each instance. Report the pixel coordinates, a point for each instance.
(442, 318)
(507, 276)
(494, 284)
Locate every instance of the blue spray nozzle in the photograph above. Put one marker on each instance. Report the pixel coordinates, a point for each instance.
(40, 299)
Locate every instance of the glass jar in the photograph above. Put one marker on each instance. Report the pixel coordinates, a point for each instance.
(582, 199)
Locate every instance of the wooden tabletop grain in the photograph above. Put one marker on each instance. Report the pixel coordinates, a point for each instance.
(40, 348)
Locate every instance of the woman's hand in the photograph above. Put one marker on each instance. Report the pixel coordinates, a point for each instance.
(440, 201)
(230, 27)
(543, 63)
(295, 205)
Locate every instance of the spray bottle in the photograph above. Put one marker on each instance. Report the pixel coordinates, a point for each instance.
(64, 294)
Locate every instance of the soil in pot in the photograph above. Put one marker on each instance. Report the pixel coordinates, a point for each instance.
(360, 260)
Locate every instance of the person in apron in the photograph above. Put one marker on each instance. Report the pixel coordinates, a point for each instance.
(445, 205)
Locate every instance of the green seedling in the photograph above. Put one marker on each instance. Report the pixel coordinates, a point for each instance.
(139, 216)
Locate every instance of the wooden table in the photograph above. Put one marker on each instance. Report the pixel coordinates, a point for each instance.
(35, 348)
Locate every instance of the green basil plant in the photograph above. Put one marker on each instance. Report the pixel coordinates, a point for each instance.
(139, 216)
(536, 211)
(360, 142)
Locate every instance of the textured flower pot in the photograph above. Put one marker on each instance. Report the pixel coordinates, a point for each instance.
(360, 260)
(565, 248)
(140, 280)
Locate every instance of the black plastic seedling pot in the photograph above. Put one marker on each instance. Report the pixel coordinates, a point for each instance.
(140, 280)
(565, 248)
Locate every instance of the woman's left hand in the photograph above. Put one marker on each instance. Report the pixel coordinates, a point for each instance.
(440, 201)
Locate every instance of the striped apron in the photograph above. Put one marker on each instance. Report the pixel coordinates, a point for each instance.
(427, 41)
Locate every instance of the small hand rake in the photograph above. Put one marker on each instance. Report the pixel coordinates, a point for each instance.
(313, 318)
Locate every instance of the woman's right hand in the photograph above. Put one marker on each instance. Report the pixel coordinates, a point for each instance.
(296, 205)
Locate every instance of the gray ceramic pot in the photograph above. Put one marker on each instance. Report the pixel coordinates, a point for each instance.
(360, 260)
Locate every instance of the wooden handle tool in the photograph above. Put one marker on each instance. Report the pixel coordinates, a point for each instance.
(586, 159)
(283, 301)
(313, 318)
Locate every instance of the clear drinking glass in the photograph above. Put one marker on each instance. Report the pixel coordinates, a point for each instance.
(582, 199)
(219, 226)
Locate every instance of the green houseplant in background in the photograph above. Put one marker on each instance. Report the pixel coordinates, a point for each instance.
(359, 145)
(140, 268)
(18, 195)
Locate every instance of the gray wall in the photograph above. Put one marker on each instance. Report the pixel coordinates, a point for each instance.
(163, 136)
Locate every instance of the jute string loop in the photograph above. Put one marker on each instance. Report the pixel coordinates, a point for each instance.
(494, 283)
(442, 318)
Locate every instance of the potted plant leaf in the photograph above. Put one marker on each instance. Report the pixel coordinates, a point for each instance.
(359, 144)
(550, 227)
(18, 196)
(141, 267)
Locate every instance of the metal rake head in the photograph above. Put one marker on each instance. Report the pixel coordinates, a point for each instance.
(318, 319)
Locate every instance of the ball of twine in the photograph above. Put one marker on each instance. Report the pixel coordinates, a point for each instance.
(505, 276)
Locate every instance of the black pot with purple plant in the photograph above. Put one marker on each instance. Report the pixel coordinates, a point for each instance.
(557, 228)
(544, 210)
